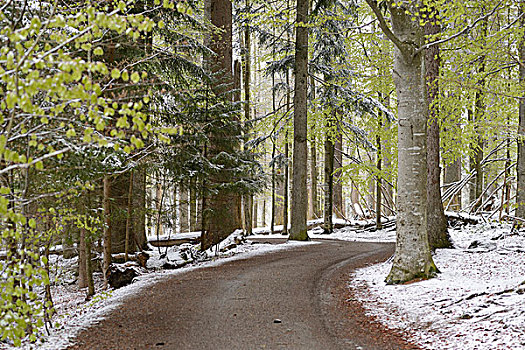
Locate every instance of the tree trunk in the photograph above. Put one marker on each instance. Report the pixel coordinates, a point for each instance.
(264, 213)
(479, 111)
(436, 221)
(82, 265)
(453, 175)
(379, 191)
(520, 196)
(337, 181)
(248, 205)
(255, 212)
(107, 228)
(298, 229)
(314, 211)
(225, 204)
(286, 164)
(412, 258)
(129, 216)
(183, 207)
(313, 204)
(89, 270)
(286, 185)
(248, 199)
(193, 205)
(139, 208)
(274, 181)
(328, 180)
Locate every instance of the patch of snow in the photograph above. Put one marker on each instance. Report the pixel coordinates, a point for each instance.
(476, 302)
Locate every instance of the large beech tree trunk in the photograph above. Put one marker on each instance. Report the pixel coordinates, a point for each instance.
(299, 212)
(412, 257)
(436, 221)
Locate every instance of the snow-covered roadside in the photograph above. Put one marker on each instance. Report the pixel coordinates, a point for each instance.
(476, 302)
(75, 314)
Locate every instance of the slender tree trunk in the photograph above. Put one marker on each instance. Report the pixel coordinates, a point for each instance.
(129, 216)
(255, 212)
(286, 185)
(139, 208)
(274, 181)
(286, 164)
(479, 111)
(263, 213)
(193, 205)
(379, 181)
(314, 211)
(107, 228)
(413, 258)
(520, 196)
(436, 221)
(248, 199)
(453, 175)
(89, 270)
(82, 273)
(183, 207)
(337, 181)
(298, 229)
(328, 179)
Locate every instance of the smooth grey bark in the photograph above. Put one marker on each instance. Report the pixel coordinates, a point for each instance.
(299, 211)
(438, 236)
(413, 258)
(520, 196)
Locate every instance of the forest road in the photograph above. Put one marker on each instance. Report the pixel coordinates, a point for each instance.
(289, 299)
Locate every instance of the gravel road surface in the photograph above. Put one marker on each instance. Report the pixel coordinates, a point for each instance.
(289, 299)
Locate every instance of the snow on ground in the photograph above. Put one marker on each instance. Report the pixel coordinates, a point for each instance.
(476, 302)
(75, 314)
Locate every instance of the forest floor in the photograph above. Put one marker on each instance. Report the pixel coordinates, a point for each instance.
(475, 303)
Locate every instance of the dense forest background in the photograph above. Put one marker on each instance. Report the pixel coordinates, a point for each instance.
(125, 121)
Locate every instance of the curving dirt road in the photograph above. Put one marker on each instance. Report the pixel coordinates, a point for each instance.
(291, 299)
